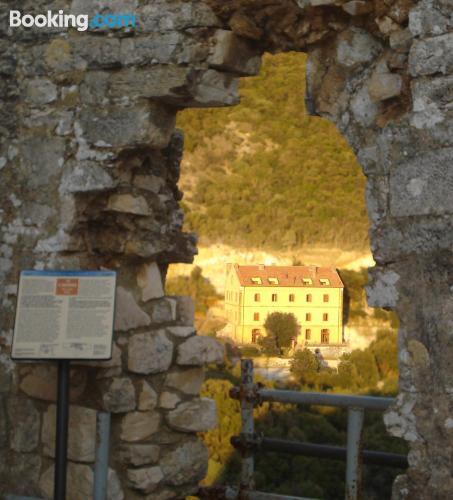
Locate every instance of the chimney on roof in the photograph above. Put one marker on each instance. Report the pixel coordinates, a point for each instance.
(312, 270)
(261, 267)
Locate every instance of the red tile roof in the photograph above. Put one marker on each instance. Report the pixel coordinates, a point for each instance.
(288, 276)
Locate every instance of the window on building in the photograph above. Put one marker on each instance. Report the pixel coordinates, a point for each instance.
(308, 317)
(324, 281)
(274, 297)
(291, 297)
(257, 297)
(256, 333)
(324, 336)
(325, 317)
(309, 297)
(307, 281)
(256, 316)
(307, 334)
(273, 281)
(256, 281)
(325, 297)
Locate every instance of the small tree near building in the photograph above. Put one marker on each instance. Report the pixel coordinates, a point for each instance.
(305, 366)
(281, 329)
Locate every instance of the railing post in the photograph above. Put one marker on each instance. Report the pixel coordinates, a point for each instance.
(353, 462)
(101, 467)
(248, 426)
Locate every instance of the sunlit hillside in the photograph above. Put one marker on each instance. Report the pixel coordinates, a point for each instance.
(265, 175)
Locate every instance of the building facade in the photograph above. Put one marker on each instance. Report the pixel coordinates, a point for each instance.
(313, 294)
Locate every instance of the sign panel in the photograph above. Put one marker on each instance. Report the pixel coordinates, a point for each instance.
(64, 315)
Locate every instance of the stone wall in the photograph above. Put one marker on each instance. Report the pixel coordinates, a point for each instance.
(89, 161)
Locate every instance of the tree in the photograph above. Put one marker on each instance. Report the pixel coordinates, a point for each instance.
(305, 366)
(281, 328)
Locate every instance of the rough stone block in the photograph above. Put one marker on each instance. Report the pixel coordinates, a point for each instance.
(128, 314)
(120, 396)
(187, 463)
(150, 352)
(188, 381)
(356, 47)
(185, 311)
(145, 480)
(79, 482)
(82, 433)
(357, 7)
(147, 399)
(40, 382)
(432, 55)
(148, 124)
(384, 86)
(128, 204)
(200, 351)
(85, 177)
(198, 415)
(233, 53)
(150, 282)
(431, 101)
(382, 288)
(40, 91)
(426, 20)
(138, 426)
(164, 310)
(181, 331)
(423, 185)
(24, 434)
(214, 89)
(20, 466)
(139, 454)
(169, 400)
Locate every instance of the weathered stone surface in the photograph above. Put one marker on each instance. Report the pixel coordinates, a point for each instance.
(138, 426)
(181, 331)
(185, 311)
(187, 463)
(23, 465)
(418, 190)
(150, 282)
(128, 314)
(40, 382)
(150, 352)
(432, 55)
(188, 381)
(200, 351)
(231, 53)
(384, 86)
(198, 415)
(145, 480)
(169, 400)
(139, 454)
(382, 288)
(82, 433)
(79, 482)
(40, 91)
(3, 423)
(120, 396)
(356, 47)
(357, 7)
(24, 434)
(85, 177)
(145, 125)
(147, 399)
(214, 89)
(163, 310)
(129, 204)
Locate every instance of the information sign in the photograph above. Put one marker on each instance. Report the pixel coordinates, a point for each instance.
(64, 315)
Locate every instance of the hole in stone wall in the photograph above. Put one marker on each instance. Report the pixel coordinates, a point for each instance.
(265, 183)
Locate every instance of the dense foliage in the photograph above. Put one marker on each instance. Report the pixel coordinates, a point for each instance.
(371, 371)
(280, 328)
(264, 174)
(196, 286)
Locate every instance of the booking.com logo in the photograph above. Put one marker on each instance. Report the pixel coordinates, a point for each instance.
(61, 20)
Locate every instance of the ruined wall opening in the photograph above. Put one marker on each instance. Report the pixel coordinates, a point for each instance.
(264, 182)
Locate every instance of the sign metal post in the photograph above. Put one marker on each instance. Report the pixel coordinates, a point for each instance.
(61, 445)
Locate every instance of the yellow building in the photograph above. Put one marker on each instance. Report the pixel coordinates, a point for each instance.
(313, 294)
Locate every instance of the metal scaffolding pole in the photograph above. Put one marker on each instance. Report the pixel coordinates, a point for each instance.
(353, 460)
(248, 426)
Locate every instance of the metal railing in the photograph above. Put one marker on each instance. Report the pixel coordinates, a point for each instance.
(248, 442)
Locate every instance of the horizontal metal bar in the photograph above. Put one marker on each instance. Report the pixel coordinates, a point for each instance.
(324, 399)
(327, 451)
(259, 495)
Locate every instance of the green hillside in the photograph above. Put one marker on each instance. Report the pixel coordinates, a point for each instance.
(264, 174)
